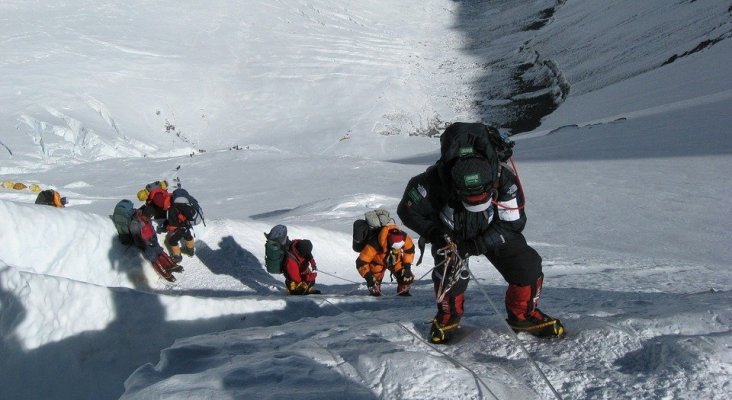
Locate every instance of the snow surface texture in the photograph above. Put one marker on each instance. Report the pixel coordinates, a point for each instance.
(310, 113)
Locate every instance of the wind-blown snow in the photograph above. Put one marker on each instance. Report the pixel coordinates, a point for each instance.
(301, 112)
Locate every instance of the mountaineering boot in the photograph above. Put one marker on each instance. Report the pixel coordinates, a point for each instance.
(175, 254)
(167, 275)
(439, 333)
(538, 324)
(164, 265)
(189, 249)
(372, 285)
(375, 289)
(298, 288)
(523, 314)
(311, 289)
(176, 268)
(403, 290)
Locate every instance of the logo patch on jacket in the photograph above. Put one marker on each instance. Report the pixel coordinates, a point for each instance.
(414, 195)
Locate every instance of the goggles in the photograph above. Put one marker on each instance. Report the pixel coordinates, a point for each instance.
(476, 199)
(474, 195)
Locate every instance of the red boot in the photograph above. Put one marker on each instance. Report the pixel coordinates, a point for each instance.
(523, 314)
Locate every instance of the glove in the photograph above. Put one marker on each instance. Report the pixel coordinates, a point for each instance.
(162, 227)
(312, 271)
(369, 279)
(469, 247)
(311, 276)
(437, 237)
(406, 276)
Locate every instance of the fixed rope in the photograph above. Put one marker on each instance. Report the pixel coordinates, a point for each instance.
(359, 283)
(451, 254)
(455, 361)
(480, 382)
(516, 339)
(459, 266)
(336, 276)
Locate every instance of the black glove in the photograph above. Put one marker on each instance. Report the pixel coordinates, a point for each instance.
(437, 238)
(162, 227)
(405, 275)
(369, 279)
(469, 247)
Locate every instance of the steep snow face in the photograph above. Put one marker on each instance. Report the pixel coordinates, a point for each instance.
(87, 81)
(91, 81)
(625, 38)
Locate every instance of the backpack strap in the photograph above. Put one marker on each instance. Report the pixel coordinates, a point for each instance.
(289, 245)
(290, 254)
(496, 184)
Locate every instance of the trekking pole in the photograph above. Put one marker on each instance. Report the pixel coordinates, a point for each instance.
(515, 338)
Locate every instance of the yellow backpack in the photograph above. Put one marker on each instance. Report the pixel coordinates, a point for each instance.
(144, 192)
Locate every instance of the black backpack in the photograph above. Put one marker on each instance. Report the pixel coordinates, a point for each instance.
(465, 139)
(366, 230)
(181, 196)
(462, 139)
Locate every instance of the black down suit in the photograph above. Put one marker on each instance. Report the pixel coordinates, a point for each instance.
(434, 205)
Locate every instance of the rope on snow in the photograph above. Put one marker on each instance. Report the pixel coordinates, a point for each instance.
(516, 339)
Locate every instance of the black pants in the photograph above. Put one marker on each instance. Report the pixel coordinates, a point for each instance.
(516, 261)
(173, 238)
